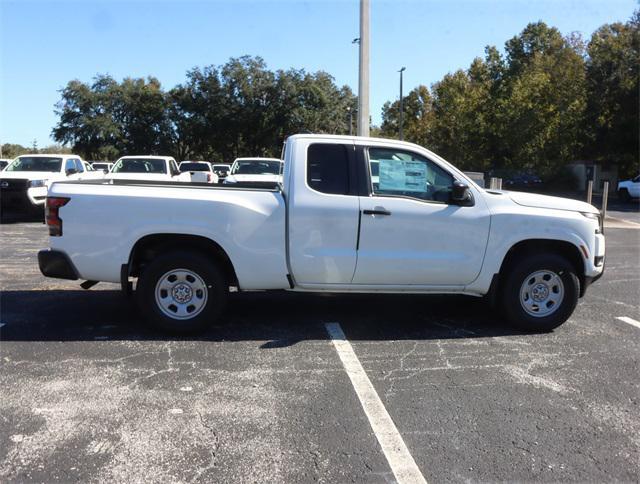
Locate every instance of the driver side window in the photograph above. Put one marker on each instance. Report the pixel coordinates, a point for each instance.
(402, 173)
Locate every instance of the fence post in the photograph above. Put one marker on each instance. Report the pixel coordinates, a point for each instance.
(605, 199)
(589, 191)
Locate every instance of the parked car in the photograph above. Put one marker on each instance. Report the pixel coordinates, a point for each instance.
(199, 171)
(518, 180)
(91, 172)
(426, 228)
(24, 182)
(255, 171)
(222, 170)
(629, 189)
(3, 163)
(105, 166)
(141, 167)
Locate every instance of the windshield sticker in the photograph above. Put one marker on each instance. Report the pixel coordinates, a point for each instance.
(405, 176)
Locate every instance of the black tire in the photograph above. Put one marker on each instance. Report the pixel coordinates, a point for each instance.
(521, 272)
(623, 194)
(194, 263)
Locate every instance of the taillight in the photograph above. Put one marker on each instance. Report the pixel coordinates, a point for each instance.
(208, 177)
(52, 214)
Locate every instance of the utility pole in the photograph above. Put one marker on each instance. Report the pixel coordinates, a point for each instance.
(363, 77)
(401, 105)
(350, 121)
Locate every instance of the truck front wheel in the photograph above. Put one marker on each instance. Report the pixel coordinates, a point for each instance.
(540, 292)
(181, 292)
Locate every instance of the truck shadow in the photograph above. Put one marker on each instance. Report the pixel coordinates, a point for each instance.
(273, 320)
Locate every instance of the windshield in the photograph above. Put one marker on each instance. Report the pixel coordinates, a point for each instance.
(140, 165)
(221, 167)
(35, 163)
(194, 167)
(256, 167)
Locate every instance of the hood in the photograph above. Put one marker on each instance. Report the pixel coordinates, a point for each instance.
(30, 175)
(544, 201)
(253, 178)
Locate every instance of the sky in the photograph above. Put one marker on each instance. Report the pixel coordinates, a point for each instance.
(45, 43)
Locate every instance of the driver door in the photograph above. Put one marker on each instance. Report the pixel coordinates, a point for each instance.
(410, 232)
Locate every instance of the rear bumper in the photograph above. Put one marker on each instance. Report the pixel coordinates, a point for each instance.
(54, 263)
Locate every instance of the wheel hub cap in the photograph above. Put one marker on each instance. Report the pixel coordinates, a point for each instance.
(541, 293)
(181, 294)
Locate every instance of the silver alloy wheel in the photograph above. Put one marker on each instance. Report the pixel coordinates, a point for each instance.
(541, 293)
(181, 294)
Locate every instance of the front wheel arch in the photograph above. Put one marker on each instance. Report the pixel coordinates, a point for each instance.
(527, 248)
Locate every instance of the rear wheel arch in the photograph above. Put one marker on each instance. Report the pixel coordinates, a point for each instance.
(150, 246)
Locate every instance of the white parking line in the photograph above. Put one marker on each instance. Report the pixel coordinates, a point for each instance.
(393, 447)
(630, 321)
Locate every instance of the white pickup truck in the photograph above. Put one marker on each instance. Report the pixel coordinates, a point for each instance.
(24, 182)
(420, 227)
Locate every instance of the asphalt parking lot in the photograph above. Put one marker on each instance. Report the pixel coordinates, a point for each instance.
(90, 394)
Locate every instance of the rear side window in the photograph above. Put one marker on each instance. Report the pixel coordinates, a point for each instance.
(328, 168)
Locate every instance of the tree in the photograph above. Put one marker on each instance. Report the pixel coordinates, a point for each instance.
(612, 73)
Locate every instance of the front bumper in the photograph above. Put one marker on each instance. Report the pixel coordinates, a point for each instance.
(18, 195)
(55, 263)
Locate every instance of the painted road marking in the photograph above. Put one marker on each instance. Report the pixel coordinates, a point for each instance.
(393, 447)
(630, 321)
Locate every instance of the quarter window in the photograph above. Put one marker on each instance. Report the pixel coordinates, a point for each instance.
(402, 173)
(328, 168)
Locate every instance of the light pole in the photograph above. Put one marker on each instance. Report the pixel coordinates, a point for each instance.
(350, 111)
(401, 105)
(363, 73)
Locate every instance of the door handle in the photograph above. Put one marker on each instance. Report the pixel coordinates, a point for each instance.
(376, 212)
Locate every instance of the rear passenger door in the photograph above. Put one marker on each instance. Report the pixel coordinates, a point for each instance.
(323, 214)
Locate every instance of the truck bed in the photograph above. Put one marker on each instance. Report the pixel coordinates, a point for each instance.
(104, 219)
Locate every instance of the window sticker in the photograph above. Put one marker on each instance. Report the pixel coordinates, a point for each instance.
(404, 176)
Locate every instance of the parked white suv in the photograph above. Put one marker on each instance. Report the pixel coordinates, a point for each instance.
(25, 181)
(199, 171)
(629, 189)
(255, 171)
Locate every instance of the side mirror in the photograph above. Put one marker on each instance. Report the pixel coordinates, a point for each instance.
(460, 193)
(71, 171)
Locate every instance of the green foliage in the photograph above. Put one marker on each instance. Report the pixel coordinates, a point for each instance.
(218, 113)
(613, 70)
(549, 101)
(11, 151)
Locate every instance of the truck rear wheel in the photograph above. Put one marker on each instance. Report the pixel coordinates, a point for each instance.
(540, 292)
(181, 292)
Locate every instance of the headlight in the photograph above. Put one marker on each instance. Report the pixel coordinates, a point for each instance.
(598, 218)
(37, 183)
